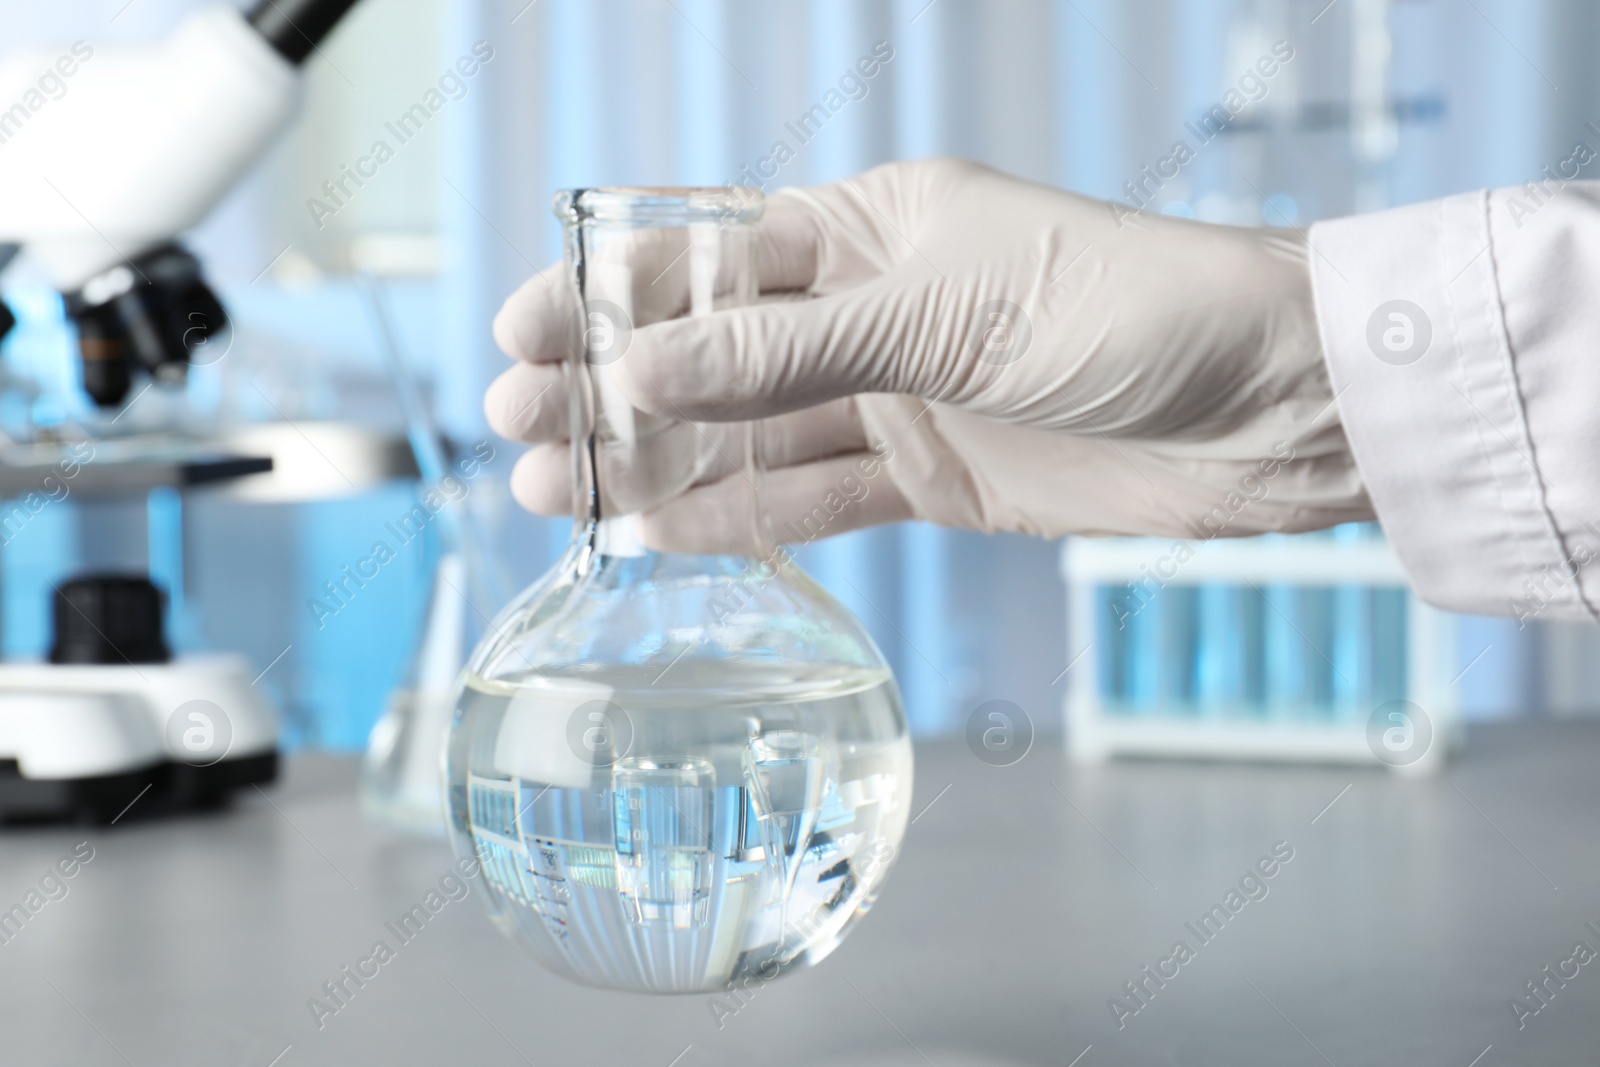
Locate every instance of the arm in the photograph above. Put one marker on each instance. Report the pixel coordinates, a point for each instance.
(1463, 341)
(1145, 375)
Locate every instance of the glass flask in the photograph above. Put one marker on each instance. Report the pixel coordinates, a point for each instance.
(402, 773)
(677, 771)
(402, 776)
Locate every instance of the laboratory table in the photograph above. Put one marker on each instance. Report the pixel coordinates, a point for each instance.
(1030, 919)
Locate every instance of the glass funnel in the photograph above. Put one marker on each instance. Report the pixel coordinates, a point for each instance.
(677, 771)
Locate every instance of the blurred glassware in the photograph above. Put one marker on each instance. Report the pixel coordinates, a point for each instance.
(402, 778)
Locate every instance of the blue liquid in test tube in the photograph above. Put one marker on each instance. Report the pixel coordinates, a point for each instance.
(1390, 611)
(1111, 650)
(1179, 647)
(1142, 648)
(1222, 662)
(1284, 650)
(1216, 670)
(1352, 636)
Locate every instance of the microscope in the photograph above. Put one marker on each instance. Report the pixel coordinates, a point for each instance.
(107, 154)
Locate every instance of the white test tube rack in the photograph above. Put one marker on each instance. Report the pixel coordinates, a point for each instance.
(1095, 733)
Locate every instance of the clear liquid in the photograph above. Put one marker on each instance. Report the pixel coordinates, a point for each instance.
(678, 831)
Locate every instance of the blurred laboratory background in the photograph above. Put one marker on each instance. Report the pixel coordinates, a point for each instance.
(1380, 102)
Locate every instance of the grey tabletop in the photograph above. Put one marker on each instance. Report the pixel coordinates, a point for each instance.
(1407, 918)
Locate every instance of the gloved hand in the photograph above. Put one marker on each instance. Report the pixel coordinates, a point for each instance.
(1000, 355)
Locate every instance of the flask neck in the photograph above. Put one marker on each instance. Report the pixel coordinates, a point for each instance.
(610, 436)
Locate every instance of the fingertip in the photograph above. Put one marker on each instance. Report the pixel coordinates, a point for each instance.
(531, 325)
(541, 481)
(524, 403)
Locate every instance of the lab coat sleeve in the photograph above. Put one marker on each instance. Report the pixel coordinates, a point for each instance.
(1463, 341)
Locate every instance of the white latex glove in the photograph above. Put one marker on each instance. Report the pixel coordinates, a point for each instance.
(952, 344)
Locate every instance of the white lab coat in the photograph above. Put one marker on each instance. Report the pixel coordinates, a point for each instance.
(1474, 411)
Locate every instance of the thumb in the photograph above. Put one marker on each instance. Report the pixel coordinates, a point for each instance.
(752, 362)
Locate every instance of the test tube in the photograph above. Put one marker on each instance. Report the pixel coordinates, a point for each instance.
(1283, 651)
(1316, 631)
(1142, 648)
(1221, 666)
(1178, 650)
(1390, 611)
(1252, 614)
(1352, 635)
(1111, 646)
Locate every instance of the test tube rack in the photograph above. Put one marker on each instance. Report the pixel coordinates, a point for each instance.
(1099, 728)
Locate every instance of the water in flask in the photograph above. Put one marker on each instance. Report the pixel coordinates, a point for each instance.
(719, 824)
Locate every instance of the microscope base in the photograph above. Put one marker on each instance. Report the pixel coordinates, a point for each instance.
(159, 789)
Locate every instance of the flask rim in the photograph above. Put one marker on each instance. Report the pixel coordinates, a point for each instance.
(659, 205)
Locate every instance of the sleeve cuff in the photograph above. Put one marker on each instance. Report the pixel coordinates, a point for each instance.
(1410, 314)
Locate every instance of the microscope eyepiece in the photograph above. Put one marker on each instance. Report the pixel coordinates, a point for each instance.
(294, 27)
(154, 312)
